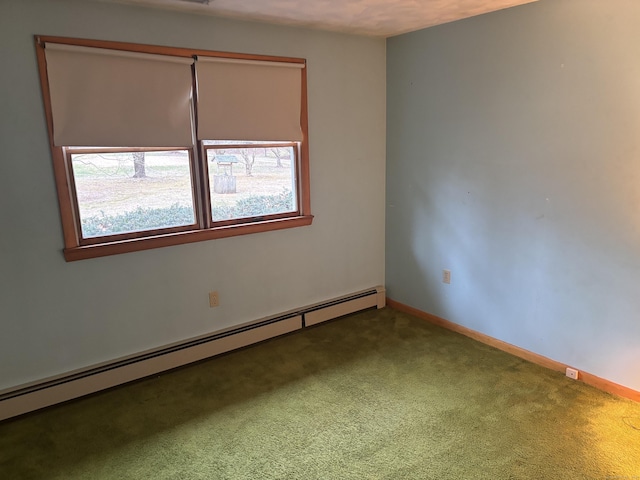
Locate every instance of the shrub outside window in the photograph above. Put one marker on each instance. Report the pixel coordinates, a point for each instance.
(175, 147)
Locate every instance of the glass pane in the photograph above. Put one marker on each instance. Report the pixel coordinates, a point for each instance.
(251, 181)
(128, 192)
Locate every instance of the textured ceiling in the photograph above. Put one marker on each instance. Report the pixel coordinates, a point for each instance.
(382, 18)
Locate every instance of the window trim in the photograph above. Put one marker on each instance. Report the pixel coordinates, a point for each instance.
(76, 249)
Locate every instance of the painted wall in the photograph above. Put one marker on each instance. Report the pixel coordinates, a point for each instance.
(57, 316)
(513, 159)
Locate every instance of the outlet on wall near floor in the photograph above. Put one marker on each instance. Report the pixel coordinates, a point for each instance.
(446, 276)
(572, 373)
(214, 300)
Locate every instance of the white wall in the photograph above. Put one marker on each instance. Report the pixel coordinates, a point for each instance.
(57, 316)
(513, 159)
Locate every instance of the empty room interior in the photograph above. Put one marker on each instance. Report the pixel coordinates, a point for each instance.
(436, 274)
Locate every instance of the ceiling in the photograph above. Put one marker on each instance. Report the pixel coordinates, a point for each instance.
(382, 18)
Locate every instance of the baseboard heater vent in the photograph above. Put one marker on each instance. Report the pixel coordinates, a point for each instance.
(50, 391)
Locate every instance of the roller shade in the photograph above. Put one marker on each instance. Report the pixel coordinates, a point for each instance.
(102, 97)
(248, 100)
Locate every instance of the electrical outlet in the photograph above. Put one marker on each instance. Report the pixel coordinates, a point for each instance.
(572, 373)
(446, 276)
(214, 299)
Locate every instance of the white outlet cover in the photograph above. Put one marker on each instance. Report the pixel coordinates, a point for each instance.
(446, 276)
(572, 373)
(214, 299)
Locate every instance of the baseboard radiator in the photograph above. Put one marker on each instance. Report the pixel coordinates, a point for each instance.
(27, 398)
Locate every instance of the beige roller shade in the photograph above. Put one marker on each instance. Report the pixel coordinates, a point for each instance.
(248, 100)
(102, 97)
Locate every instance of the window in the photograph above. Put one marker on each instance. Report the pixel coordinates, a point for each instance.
(156, 146)
(122, 193)
(268, 180)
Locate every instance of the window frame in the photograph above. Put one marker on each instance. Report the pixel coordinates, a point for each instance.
(78, 248)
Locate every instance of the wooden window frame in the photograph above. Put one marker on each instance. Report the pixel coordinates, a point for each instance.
(77, 248)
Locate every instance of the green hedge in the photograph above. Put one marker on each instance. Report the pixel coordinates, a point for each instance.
(176, 215)
(255, 206)
(136, 220)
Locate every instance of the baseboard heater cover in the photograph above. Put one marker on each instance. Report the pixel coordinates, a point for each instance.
(27, 398)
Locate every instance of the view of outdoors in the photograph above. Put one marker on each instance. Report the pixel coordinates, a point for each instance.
(122, 192)
(250, 182)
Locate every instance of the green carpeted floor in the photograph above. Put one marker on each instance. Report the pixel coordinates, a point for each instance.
(377, 395)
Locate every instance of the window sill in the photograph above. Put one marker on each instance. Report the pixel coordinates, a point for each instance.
(133, 245)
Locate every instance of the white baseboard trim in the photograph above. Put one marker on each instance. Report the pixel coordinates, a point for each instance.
(61, 388)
